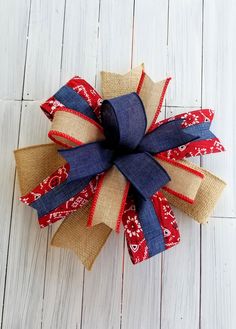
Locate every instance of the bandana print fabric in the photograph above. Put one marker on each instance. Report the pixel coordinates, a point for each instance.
(59, 213)
(134, 234)
(194, 148)
(81, 87)
(136, 243)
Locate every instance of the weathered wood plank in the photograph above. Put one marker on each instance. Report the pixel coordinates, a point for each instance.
(103, 286)
(63, 288)
(184, 52)
(219, 79)
(181, 278)
(13, 25)
(64, 272)
(80, 40)
(218, 290)
(27, 250)
(142, 294)
(44, 49)
(9, 118)
(150, 37)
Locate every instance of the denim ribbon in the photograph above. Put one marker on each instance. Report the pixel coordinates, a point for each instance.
(127, 147)
(130, 149)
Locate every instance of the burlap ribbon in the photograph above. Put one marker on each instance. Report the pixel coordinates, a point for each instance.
(192, 189)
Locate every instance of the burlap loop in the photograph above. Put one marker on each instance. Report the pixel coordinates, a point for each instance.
(206, 198)
(70, 129)
(184, 182)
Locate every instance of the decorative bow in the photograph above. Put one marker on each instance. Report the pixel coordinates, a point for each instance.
(118, 164)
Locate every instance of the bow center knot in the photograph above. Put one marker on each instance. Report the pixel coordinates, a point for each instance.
(124, 122)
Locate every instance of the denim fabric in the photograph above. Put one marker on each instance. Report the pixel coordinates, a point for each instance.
(150, 225)
(124, 121)
(170, 135)
(167, 136)
(201, 130)
(87, 160)
(59, 195)
(145, 174)
(68, 97)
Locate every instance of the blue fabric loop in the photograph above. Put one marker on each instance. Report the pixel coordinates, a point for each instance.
(124, 121)
(71, 99)
(87, 160)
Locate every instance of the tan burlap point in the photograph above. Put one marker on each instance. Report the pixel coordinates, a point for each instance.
(85, 242)
(114, 84)
(34, 163)
(109, 201)
(152, 94)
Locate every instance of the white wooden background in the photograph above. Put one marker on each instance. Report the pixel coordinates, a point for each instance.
(43, 44)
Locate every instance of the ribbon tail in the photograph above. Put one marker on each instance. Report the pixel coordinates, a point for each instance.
(167, 220)
(145, 174)
(85, 242)
(136, 234)
(150, 224)
(109, 200)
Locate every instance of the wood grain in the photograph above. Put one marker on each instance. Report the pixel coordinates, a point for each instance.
(181, 278)
(184, 52)
(14, 20)
(219, 51)
(42, 76)
(9, 116)
(28, 243)
(181, 269)
(218, 289)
